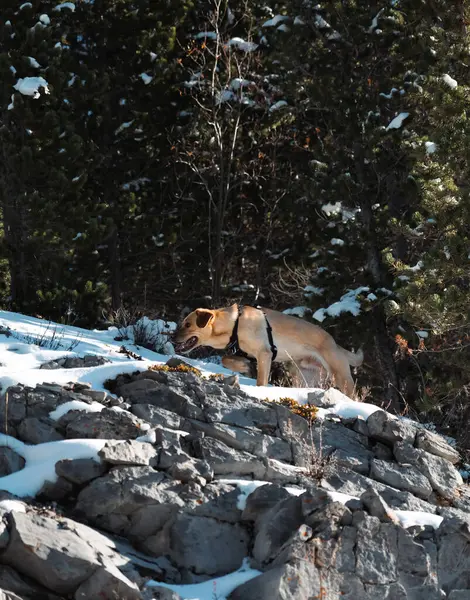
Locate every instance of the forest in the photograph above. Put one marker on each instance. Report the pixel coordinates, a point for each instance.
(313, 157)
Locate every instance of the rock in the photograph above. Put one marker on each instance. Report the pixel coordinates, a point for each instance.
(453, 557)
(56, 490)
(442, 475)
(207, 546)
(245, 439)
(128, 452)
(377, 551)
(10, 461)
(95, 395)
(161, 593)
(38, 431)
(286, 582)
(111, 500)
(89, 360)
(376, 505)
(219, 500)
(275, 527)
(354, 484)
(148, 391)
(459, 595)
(107, 584)
(4, 535)
(360, 463)
(48, 553)
(328, 522)
(227, 461)
(22, 588)
(435, 444)
(107, 424)
(157, 416)
(382, 452)
(80, 470)
(406, 478)
(385, 428)
(192, 470)
(262, 499)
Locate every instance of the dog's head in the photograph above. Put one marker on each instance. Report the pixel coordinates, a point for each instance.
(194, 331)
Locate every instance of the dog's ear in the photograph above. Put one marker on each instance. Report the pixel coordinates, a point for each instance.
(203, 317)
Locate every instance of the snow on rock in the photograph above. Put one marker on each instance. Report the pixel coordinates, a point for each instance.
(277, 105)
(30, 86)
(63, 409)
(220, 587)
(450, 81)
(33, 62)
(146, 78)
(332, 209)
(347, 303)
(11, 106)
(13, 505)
(241, 44)
(210, 35)
(41, 460)
(69, 5)
(298, 311)
(411, 518)
(397, 122)
(311, 290)
(375, 21)
(239, 83)
(275, 21)
(45, 19)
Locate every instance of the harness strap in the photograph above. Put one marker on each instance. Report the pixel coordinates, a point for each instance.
(234, 346)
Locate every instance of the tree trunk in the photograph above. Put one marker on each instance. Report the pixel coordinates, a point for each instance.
(115, 269)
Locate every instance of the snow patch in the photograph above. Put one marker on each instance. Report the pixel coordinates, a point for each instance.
(241, 44)
(450, 81)
(65, 408)
(30, 86)
(275, 21)
(224, 585)
(397, 122)
(69, 5)
(41, 460)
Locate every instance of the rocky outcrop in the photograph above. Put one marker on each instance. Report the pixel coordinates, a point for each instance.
(194, 476)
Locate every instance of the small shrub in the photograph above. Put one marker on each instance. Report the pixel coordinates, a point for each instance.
(52, 338)
(307, 411)
(217, 377)
(176, 369)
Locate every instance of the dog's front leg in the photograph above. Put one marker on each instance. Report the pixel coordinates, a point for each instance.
(264, 360)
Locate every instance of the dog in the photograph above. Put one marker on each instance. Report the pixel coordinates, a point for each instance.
(266, 335)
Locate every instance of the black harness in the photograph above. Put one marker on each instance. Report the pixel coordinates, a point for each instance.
(234, 346)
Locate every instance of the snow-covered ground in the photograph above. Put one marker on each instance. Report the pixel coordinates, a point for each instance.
(25, 345)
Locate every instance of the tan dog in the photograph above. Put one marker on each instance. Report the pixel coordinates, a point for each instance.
(308, 346)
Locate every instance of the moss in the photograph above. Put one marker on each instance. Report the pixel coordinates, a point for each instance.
(177, 369)
(307, 411)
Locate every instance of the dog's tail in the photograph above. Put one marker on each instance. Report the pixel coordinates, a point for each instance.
(355, 359)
